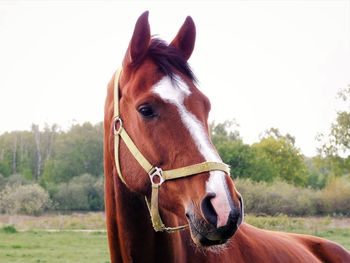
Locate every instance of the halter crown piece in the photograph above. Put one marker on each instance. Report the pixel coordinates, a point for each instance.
(156, 174)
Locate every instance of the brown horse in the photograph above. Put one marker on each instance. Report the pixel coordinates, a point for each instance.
(157, 145)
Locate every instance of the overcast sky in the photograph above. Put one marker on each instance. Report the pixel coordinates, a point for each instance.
(264, 63)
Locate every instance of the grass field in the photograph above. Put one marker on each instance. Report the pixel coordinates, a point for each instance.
(63, 246)
(82, 237)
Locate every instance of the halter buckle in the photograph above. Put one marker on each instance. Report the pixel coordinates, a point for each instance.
(117, 122)
(155, 173)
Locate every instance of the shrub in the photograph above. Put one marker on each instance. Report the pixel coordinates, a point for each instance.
(277, 198)
(335, 197)
(71, 197)
(9, 229)
(282, 198)
(96, 199)
(28, 199)
(2, 182)
(84, 192)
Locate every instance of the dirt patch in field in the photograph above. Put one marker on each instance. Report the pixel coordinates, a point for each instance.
(92, 221)
(327, 222)
(340, 223)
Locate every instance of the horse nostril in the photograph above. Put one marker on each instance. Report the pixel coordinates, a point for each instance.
(208, 210)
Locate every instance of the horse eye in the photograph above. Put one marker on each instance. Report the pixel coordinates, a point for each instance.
(147, 111)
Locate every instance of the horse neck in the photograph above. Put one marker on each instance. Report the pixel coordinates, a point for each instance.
(137, 239)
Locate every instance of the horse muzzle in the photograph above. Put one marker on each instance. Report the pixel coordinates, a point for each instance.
(204, 227)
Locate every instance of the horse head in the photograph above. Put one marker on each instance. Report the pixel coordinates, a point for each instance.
(166, 117)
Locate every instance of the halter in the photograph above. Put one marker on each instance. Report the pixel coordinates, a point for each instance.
(156, 174)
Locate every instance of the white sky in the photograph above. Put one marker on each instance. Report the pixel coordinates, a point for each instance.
(264, 63)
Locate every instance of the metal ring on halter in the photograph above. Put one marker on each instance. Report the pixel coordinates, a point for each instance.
(156, 172)
(116, 121)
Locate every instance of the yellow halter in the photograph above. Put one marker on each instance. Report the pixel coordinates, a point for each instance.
(156, 174)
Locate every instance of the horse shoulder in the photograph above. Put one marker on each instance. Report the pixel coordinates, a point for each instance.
(325, 250)
(261, 245)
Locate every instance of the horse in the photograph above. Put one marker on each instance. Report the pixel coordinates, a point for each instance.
(168, 195)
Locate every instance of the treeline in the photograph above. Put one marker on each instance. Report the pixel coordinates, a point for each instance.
(51, 155)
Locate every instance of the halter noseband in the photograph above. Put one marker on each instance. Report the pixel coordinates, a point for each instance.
(156, 174)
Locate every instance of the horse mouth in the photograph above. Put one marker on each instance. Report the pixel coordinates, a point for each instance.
(204, 241)
(207, 242)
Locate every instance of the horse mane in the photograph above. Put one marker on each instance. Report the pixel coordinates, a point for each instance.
(167, 58)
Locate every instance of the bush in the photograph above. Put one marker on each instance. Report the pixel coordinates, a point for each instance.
(28, 199)
(2, 182)
(9, 230)
(282, 198)
(277, 198)
(96, 199)
(335, 197)
(84, 192)
(71, 197)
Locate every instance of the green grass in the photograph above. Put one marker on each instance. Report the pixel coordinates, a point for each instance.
(28, 239)
(341, 236)
(52, 247)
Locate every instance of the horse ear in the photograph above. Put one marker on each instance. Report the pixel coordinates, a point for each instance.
(185, 38)
(140, 40)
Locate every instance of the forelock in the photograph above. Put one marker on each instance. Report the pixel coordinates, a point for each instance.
(167, 58)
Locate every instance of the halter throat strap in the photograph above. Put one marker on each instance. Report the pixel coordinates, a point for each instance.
(156, 174)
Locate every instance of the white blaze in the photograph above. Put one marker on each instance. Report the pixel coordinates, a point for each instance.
(176, 94)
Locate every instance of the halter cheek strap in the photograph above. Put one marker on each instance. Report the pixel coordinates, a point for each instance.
(157, 175)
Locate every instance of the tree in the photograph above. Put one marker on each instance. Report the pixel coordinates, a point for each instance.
(286, 160)
(338, 140)
(244, 161)
(78, 151)
(224, 131)
(8, 153)
(38, 156)
(333, 154)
